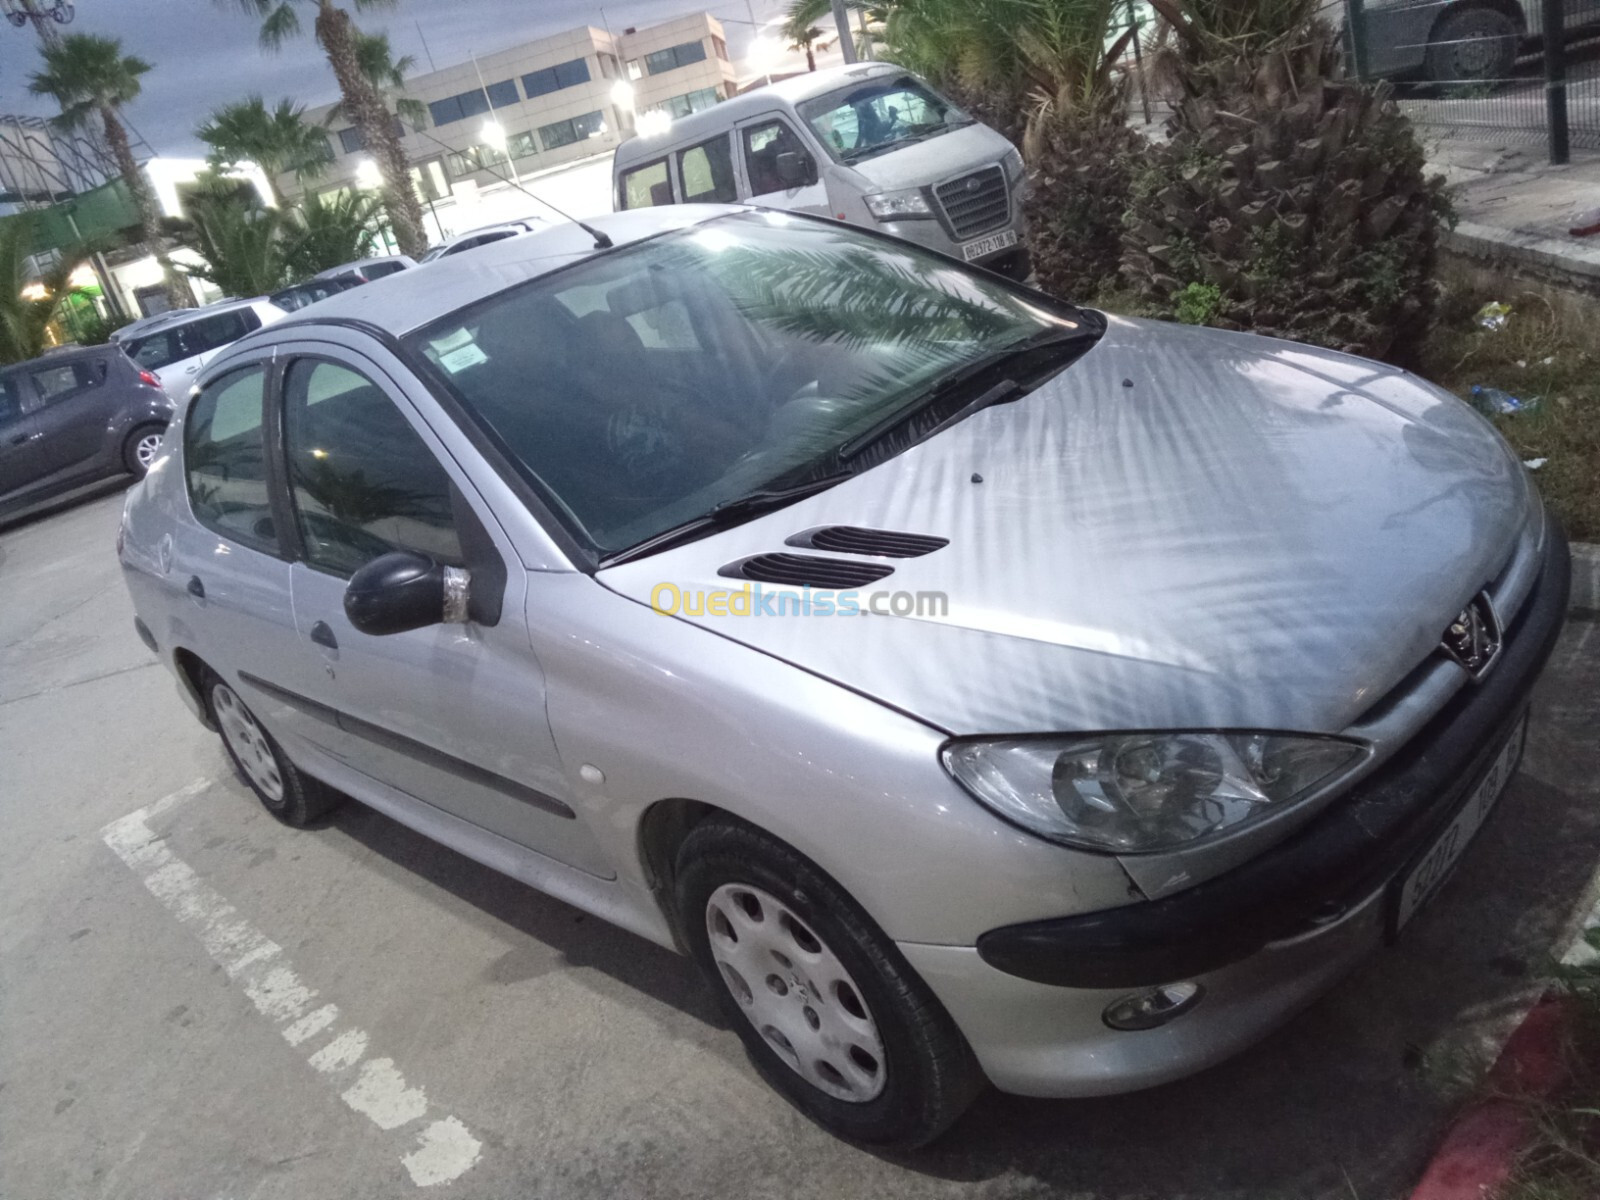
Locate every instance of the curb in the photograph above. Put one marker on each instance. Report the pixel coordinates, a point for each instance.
(1561, 259)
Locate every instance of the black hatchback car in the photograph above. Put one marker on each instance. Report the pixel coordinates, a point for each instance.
(73, 417)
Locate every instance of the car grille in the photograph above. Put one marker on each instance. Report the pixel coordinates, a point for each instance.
(975, 203)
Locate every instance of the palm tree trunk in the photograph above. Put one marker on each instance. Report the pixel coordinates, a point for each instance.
(178, 293)
(43, 24)
(366, 110)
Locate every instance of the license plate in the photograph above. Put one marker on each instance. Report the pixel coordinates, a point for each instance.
(988, 245)
(1427, 875)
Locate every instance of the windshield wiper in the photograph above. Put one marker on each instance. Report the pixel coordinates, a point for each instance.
(727, 513)
(1002, 392)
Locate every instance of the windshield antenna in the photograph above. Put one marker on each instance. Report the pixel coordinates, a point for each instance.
(602, 240)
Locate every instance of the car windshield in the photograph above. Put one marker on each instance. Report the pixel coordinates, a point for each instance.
(873, 118)
(643, 387)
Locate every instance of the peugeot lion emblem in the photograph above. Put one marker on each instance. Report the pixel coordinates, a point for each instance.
(1473, 638)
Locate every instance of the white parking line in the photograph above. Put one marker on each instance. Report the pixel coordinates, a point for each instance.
(444, 1148)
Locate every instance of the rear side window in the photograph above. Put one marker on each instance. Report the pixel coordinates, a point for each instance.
(706, 173)
(212, 333)
(225, 460)
(363, 480)
(10, 400)
(158, 350)
(647, 186)
(379, 270)
(52, 383)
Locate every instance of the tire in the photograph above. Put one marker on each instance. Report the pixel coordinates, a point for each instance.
(1472, 45)
(288, 794)
(885, 1064)
(139, 448)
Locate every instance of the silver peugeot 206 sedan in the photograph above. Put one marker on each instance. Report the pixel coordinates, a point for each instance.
(980, 689)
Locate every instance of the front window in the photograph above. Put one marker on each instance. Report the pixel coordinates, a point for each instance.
(875, 117)
(641, 388)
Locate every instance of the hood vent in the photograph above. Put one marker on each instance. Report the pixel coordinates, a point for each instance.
(806, 570)
(852, 539)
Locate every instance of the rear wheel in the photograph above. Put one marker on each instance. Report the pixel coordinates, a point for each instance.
(1472, 45)
(288, 794)
(139, 448)
(829, 1011)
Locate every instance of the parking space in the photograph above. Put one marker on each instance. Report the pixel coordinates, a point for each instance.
(169, 955)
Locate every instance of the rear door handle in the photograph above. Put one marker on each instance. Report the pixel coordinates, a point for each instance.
(322, 635)
(195, 588)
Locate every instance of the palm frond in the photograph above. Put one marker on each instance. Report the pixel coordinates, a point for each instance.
(281, 24)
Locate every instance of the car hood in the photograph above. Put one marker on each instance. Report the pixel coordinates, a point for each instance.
(1185, 528)
(951, 153)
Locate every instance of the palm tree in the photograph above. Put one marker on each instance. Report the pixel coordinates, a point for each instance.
(803, 35)
(24, 321)
(279, 140)
(90, 77)
(360, 101)
(388, 75)
(329, 230)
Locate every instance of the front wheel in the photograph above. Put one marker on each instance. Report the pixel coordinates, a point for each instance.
(1472, 45)
(829, 1011)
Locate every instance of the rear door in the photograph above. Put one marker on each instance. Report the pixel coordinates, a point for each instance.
(453, 715)
(70, 412)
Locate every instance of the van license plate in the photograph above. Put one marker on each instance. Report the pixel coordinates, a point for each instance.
(988, 245)
(1418, 886)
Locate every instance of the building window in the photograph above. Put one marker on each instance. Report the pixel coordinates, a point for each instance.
(553, 79)
(635, 71)
(429, 180)
(465, 162)
(689, 102)
(473, 103)
(609, 69)
(522, 145)
(564, 133)
(674, 57)
(720, 47)
(351, 141)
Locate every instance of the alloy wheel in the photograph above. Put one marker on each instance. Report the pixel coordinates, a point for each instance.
(795, 991)
(146, 449)
(248, 741)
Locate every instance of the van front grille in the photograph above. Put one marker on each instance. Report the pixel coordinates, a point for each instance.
(975, 203)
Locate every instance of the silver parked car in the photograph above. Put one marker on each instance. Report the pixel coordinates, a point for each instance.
(175, 348)
(978, 687)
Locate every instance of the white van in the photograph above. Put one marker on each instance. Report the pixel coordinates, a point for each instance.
(868, 143)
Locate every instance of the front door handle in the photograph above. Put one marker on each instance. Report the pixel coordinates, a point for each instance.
(195, 588)
(322, 635)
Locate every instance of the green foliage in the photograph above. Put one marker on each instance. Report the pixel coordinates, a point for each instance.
(87, 74)
(280, 19)
(1300, 198)
(279, 140)
(1196, 303)
(327, 231)
(387, 75)
(24, 323)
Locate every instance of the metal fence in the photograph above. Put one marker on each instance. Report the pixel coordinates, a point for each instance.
(1487, 67)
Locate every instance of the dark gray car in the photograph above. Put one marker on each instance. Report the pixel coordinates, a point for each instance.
(73, 417)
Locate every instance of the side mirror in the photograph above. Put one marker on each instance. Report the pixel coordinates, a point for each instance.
(401, 591)
(795, 169)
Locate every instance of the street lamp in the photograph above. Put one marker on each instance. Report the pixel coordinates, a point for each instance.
(494, 135)
(367, 175)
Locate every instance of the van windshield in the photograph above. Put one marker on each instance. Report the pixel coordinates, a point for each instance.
(880, 115)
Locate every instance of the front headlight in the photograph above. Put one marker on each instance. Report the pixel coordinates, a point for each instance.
(1137, 792)
(898, 206)
(1013, 164)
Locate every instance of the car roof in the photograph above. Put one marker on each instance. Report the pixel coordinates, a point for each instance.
(719, 117)
(408, 300)
(57, 355)
(357, 264)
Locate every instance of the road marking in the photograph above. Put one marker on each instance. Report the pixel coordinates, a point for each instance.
(444, 1148)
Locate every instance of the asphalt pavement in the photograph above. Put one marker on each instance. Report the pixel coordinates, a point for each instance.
(198, 1003)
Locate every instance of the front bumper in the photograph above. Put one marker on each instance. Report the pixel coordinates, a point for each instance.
(1264, 939)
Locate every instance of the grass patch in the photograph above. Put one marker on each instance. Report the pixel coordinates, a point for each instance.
(1542, 355)
(1563, 1163)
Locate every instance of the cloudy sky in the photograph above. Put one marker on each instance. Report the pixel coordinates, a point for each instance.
(204, 52)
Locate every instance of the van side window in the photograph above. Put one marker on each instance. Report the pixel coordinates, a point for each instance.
(762, 145)
(706, 173)
(646, 186)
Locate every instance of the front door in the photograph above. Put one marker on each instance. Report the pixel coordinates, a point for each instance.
(760, 143)
(453, 715)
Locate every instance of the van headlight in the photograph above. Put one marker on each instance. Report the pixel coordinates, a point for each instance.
(903, 205)
(1139, 792)
(1012, 162)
